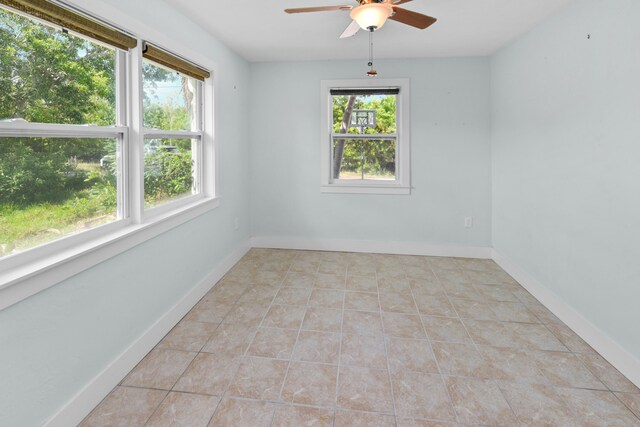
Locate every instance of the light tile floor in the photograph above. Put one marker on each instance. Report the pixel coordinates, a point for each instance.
(300, 338)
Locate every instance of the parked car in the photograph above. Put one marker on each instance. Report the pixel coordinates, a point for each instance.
(107, 160)
(169, 149)
(150, 148)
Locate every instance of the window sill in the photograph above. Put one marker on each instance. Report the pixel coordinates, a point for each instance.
(28, 279)
(365, 189)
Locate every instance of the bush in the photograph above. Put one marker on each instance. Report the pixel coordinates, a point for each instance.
(167, 174)
(104, 189)
(27, 176)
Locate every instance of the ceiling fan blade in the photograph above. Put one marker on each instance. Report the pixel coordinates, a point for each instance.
(397, 2)
(351, 30)
(414, 19)
(317, 9)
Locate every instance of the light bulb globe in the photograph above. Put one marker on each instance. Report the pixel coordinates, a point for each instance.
(371, 15)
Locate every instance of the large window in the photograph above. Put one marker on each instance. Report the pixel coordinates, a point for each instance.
(365, 141)
(60, 141)
(101, 136)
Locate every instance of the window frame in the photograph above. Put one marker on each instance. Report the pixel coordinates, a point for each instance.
(28, 272)
(200, 163)
(119, 131)
(402, 184)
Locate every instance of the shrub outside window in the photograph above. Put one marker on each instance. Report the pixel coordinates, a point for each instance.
(365, 138)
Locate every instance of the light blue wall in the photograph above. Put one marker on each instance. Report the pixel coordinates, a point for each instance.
(450, 150)
(566, 160)
(560, 110)
(53, 344)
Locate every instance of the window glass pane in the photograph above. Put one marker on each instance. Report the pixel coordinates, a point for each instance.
(48, 76)
(53, 187)
(358, 159)
(169, 99)
(360, 114)
(169, 170)
(347, 159)
(380, 159)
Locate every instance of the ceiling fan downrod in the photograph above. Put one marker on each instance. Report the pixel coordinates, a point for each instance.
(372, 72)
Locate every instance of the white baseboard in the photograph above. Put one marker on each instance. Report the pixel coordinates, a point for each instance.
(84, 401)
(371, 246)
(625, 362)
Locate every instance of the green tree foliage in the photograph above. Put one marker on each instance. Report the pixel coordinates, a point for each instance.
(371, 157)
(29, 175)
(167, 175)
(173, 111)
(48, 76)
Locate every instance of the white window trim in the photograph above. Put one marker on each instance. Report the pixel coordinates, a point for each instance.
(402, 185)
(201, 163)
(34, 270)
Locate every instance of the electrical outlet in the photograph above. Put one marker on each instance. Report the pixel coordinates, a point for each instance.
(236, 223)
(468, 222)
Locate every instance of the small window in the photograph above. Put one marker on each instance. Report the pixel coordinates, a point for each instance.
(365, 141)
(172, 108)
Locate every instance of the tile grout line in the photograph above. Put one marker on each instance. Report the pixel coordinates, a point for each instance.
(295, 345)
(281, 286)
(237, 368)
(568, 350)
(337, 390)
(484, 358)
(441, 375)
(197, 353)
(386, 351)
(192, 360)
(615, 394)
(575, 354)
(271, 304)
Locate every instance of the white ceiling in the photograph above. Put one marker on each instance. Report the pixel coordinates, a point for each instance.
(259, 30)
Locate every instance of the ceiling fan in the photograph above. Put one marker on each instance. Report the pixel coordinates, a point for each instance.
(371, 15)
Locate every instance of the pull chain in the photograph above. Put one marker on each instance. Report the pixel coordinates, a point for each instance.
(371, 72)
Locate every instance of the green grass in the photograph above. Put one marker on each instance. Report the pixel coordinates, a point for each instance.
(367, 175)
(88, 167)
(23, 227)
(88, 200)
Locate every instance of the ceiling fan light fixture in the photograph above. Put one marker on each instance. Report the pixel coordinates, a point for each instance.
(371, 15)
